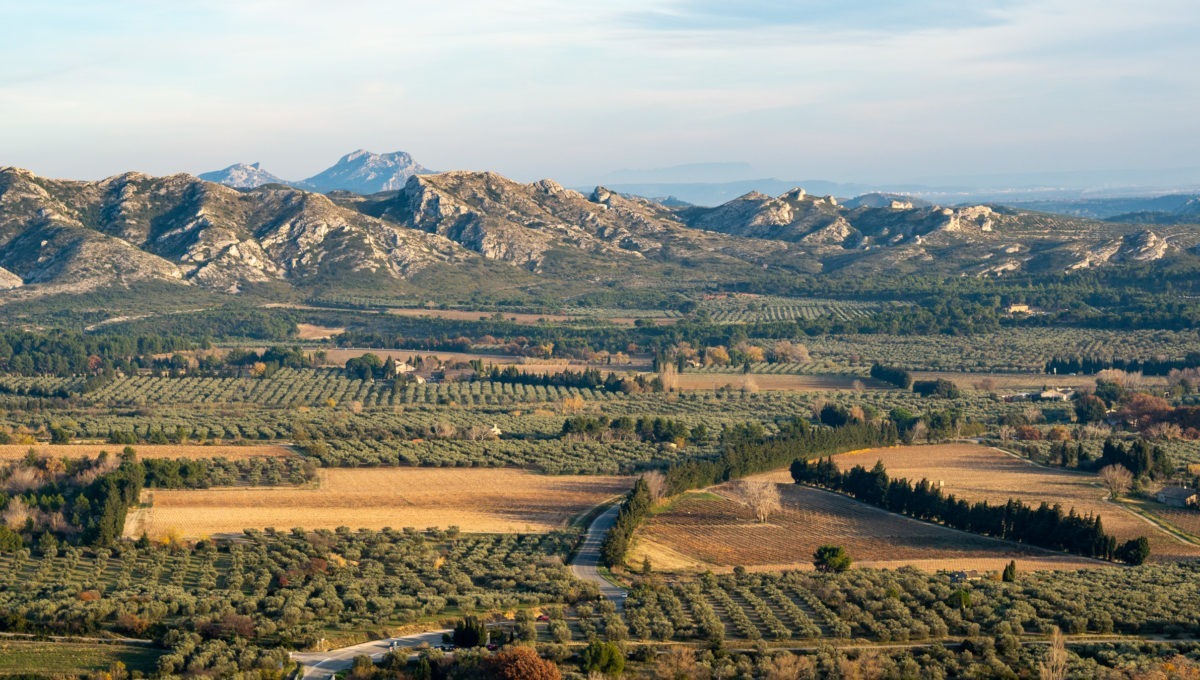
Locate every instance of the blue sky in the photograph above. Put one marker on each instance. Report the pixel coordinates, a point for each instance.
(853, 91)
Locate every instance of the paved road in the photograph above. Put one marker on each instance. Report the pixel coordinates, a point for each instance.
(317, 665)
(326, 664)
(587, 559)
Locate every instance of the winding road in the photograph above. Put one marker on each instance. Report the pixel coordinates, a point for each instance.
(317, 665)
(586, 563)
(585, 566)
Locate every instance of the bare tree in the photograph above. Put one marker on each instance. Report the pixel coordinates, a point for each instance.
(761, 497)
(1126, 379)
(986, 385)
(668, 374)
(16, 514)
(787, 351)
(1117, 479)
(1164, 431)
(656, 484)
(1054, 666)
(1005, 432)
(679, 663)
(917, 432)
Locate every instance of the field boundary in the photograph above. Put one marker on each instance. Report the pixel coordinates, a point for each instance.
(1024, 546)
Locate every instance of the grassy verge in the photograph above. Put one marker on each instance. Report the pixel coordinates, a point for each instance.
(72, 658)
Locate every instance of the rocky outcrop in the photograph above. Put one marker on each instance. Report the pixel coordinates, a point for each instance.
(979, 217)
(9, 280)
(133, 227)
(1143, 246)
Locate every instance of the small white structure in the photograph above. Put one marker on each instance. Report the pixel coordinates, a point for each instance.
(1178, 497)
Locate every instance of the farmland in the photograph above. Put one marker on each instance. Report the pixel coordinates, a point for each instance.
(978, 473)
(474, 500)
(25, 658)
(760, 308)
(421, 502)
(773, 381)
(290, 590)
(1012, 350)
(909, 605)
(711, 531)
(189, 451)
(339, 356)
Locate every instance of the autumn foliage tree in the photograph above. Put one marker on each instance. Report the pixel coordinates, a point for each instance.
(523, 663)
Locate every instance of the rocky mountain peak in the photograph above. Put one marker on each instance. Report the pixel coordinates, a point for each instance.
(364, 172)
(242, 176)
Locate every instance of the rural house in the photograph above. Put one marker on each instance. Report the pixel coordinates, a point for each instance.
(1178, 496)
(1055, 395)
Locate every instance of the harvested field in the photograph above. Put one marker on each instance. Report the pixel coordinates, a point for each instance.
(338, 357)
(473, 499)
(522, 317)
(467, 315)
(977, 473)
(708, 530)
(63, 659)
(1010, 382)
(307, 331)
(18, 451)
(1186, 520)
(772, 382)
(989, 382)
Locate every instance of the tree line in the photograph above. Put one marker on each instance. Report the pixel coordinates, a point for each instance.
(1045, 526)
(894, 376)
(746, 450)
(656, 429)
(66, 353)
(1094, 364)
(82, 501)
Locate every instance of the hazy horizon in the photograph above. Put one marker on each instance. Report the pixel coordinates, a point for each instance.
(869, 93)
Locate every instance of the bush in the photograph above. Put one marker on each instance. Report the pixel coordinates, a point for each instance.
(603, 657)
(831, 559)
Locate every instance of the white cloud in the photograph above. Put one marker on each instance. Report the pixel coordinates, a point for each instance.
(538, 88)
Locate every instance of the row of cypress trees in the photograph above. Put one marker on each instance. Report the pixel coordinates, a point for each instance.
(1045, 526)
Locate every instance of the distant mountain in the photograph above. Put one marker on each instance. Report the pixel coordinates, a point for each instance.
(363, 172)
(885, 200)
(242, 176)
(716, 193)
(65, 236)
(1111, 208)
(480, 231)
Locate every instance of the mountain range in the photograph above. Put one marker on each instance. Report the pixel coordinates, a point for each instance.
(482, 230)
(360, 172)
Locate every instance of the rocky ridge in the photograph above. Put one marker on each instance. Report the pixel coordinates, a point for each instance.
(58, 235)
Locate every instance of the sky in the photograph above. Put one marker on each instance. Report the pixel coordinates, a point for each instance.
(845, 90)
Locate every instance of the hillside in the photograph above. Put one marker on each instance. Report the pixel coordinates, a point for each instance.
(482, 230)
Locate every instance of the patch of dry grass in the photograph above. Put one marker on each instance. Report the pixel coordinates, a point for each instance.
(978, 473)
(702, 531)
(775, 381)
(18, 451)
(473, 499)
